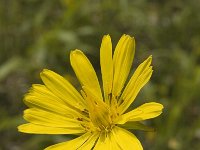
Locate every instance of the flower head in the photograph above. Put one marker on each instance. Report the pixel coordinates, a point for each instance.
(100, 117)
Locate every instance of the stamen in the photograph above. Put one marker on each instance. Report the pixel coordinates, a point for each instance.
(80, 119)
(99, 111)
(85, 112)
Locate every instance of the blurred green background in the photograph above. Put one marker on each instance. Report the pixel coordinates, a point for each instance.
(37, 34)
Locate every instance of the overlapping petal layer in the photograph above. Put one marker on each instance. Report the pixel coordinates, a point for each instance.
(63, 89)
(126, 140)
(84, 142)
(118, 139)
(49, 119)
(42, 98)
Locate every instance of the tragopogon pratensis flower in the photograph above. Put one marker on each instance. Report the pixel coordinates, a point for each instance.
(98, 116)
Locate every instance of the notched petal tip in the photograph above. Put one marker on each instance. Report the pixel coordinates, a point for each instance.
(131, 42)
(148, 61)
(75, 52)
(19, 128)
(161, 106)
(107, 36)
(44, 72)
(131, 38)
(106, 41)
(150, 58)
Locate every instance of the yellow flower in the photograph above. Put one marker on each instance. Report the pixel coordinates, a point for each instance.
(100, 119)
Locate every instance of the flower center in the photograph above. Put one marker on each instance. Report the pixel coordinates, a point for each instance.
(100, 113)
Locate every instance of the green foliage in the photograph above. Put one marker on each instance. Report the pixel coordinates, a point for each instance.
(38, 34)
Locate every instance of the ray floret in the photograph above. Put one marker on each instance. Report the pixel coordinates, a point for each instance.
(98, 116)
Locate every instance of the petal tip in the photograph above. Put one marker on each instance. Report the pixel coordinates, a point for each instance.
(44, 71)
(106, 36)
(20, 128)
(75, 53)
(150, 57)
(106, 39)
(162, 107)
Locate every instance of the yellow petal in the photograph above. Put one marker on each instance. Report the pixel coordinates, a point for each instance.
(143, 112)
(126, 140)
(122, 62)
(106, 66)
(74, 144)
(63, 89)
(90, 143)
(118, 139)
(85, 72)
(38, 129)
(140, 77)
(45, 118)
(40, 97)
(106, 141)
(103, 142)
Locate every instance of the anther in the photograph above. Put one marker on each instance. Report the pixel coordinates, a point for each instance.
(80, 119)
(121, 101)
(85, 111)
(110, 96)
